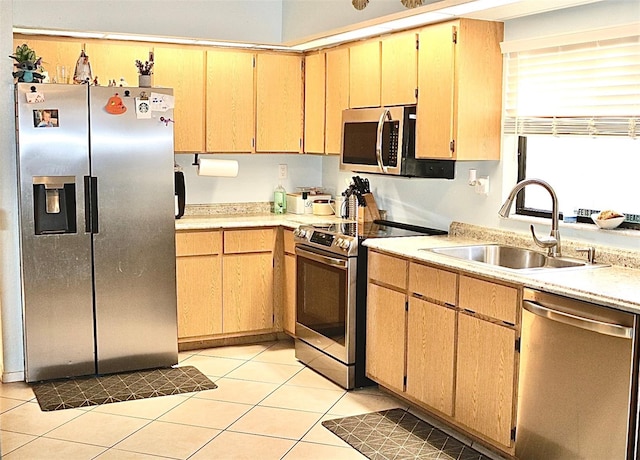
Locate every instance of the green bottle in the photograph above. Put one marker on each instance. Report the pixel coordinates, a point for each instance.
(280, 200)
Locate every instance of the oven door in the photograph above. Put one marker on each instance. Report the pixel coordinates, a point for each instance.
(326, 302)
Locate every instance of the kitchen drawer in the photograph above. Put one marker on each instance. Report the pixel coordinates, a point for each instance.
(490, 299)
(433, 283)
(388, 269)
(253, 240)
(198, 243)
(289, 245)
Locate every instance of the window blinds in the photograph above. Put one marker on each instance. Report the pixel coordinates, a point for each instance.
(585, 89)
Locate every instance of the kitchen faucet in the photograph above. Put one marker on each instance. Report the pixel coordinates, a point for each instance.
(552, 242)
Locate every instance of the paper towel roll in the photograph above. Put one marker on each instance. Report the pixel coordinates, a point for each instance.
(218, 168)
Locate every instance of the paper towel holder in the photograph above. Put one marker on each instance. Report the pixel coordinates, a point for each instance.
(215, 167)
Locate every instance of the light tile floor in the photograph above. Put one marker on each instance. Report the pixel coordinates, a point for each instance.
(267, 406)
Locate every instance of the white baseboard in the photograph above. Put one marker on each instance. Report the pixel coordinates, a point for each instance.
(8, 377)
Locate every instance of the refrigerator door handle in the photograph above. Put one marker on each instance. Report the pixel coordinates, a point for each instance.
(91, 204)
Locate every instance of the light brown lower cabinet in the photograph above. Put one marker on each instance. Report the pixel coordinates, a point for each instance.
(385, 336)
(290, 280)
(225, 282)
(247, 280)
(446, 341)
(199, 283)
(431, 338)
(247, 292)
(485, 378)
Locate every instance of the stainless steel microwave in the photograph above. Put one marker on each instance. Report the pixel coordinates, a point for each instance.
(383, 141)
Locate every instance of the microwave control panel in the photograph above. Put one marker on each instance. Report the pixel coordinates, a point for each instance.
(393, 144)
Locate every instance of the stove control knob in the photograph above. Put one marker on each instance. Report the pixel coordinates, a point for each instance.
(344, 243)
(299, 232)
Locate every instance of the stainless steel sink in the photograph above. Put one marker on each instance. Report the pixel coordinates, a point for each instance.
(510, 257)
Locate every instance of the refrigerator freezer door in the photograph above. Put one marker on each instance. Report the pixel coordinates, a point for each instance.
(134, 247)
(53, 159)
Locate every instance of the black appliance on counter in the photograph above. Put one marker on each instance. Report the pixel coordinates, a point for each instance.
(180, 193)
(331, 304)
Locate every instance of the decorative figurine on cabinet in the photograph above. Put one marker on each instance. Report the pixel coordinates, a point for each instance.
(82, 74)
(27, 64)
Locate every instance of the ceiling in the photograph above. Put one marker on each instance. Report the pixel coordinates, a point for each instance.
(349, 25)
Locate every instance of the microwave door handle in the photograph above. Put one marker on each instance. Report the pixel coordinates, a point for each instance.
(385, 114)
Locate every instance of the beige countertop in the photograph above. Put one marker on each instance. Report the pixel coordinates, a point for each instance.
(613, 286)
(217, 221)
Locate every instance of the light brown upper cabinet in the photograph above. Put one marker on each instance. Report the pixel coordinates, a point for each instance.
(384, 71)
(114, 61)
(230, 101)
(399, 69)
(364, 74)
(337, 97)
(182, 68)
(459, 90)
(279, 104)
(314, 103)
(54, 53)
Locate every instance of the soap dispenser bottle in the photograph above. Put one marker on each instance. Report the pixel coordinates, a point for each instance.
(280, 200)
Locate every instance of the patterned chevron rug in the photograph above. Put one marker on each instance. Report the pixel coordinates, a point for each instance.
(91, 391)
(396, 434)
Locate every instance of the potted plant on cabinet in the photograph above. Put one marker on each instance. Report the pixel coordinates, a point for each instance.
(145, 70)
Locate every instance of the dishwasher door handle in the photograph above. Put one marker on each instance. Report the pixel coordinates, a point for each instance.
(601, 327)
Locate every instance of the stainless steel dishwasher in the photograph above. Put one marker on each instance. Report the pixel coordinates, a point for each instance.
(578, 380)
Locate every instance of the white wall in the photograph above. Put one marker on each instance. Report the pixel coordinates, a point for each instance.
(241, 20)
(257, 178)
(10, 296)
(430, 202)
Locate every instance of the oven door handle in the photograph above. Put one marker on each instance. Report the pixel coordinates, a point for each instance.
(333, 261)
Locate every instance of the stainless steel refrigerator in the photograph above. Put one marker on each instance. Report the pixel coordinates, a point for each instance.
(96, 198)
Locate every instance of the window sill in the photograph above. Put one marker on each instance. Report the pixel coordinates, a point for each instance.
(624, 232)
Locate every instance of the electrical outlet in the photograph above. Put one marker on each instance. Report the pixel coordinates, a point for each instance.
(482, 185)
(283, 171)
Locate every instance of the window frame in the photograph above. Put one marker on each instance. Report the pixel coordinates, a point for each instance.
(522, 210)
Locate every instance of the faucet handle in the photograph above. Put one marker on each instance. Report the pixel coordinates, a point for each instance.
(591, 253)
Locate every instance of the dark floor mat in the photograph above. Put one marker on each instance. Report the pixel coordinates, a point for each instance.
(91, 391)
(396, 434)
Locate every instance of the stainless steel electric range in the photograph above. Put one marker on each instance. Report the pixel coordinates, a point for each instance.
(332, 295)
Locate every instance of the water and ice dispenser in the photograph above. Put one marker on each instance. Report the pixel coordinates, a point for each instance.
(54, 204)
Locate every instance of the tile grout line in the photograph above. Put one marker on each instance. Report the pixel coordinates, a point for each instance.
(253, 406)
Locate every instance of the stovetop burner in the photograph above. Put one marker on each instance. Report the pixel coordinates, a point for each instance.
(344, 237)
